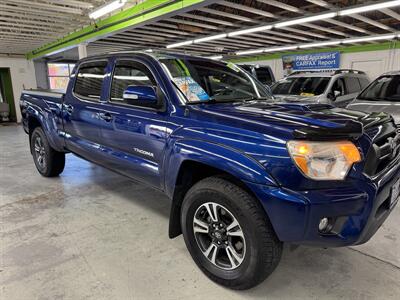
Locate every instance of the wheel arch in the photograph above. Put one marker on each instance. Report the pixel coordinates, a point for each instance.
(36, 119)
(188, 166)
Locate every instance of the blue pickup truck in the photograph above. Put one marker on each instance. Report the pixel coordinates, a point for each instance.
(245, 173)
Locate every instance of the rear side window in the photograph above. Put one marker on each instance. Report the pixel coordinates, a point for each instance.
(128, 73)
(363, 82)
(89, 80)
(352, 85)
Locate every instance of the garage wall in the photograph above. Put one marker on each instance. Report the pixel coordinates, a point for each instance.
(374, 63)
(41, 74)
(22, 76)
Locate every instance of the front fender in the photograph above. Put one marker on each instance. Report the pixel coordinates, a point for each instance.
(217, 156)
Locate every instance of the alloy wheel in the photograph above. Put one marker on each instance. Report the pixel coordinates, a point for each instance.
(219, 236)
(40, 152)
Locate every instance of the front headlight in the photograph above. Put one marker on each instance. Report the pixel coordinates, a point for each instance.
(324, 160)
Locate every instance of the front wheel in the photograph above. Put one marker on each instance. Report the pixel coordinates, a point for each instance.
(228, 234)
(49, 162)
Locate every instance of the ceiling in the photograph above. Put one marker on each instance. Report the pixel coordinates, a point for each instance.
(28, 24)
(25, 25)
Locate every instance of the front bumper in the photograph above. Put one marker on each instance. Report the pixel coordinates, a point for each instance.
(357, 210)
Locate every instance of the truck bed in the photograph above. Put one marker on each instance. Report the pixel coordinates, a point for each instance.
(45, 107)
(57, 93)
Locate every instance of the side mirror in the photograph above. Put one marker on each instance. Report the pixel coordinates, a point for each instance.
(336, 93)
(144, 95)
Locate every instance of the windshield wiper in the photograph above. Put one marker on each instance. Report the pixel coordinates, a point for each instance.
(255, 99)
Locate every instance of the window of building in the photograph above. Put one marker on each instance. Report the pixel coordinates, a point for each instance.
(59, 74)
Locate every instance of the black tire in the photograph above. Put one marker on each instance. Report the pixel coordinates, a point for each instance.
(49, 162)
(263, 250)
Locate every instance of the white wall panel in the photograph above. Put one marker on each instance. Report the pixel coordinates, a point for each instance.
(22, 76)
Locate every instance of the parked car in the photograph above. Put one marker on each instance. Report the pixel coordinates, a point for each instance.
(382, 95)
(245, 175)
(264, 74)
(337, 88)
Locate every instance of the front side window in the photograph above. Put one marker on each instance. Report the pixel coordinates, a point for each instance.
(385, 88)
(128, 73)
(339, 87)
(89, 80)
(210, 81)
(303, 86)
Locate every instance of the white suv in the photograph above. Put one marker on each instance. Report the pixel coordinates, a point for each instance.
(337, 87)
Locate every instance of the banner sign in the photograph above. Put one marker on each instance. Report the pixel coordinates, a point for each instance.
(312, 61)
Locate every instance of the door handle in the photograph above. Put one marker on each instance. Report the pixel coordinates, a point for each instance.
(105, 116)
(69, 108)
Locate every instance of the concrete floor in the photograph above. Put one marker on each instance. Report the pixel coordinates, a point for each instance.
(92, 234)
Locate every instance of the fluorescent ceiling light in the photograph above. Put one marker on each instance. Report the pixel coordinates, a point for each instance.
(250, 52)
(179, 44)
(210, 38)
(306, 20)
(319, 2)
(250, 30)
(277, 49)
(365, 8)
(322, 44)
(216, 57)
(105, 9)
(369, 39)
(319, 17)
(148, 50)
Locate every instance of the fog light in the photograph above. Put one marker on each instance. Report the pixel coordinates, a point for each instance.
(323, 224)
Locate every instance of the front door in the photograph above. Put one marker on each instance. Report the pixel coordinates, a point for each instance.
(83, 114)
(134, 139)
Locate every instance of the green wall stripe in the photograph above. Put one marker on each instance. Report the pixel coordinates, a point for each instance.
(348, 49)
(119, 21)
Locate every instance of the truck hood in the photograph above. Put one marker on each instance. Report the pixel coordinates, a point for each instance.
(311, 121)
(392, 108)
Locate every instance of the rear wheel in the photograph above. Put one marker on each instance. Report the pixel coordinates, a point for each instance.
(49, 162)
(228, 234)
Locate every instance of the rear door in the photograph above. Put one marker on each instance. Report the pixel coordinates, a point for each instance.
(134, 139)
(83, 114)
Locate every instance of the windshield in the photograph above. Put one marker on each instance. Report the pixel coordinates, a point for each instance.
(303, 86)
(208, 81)
(385, 88)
